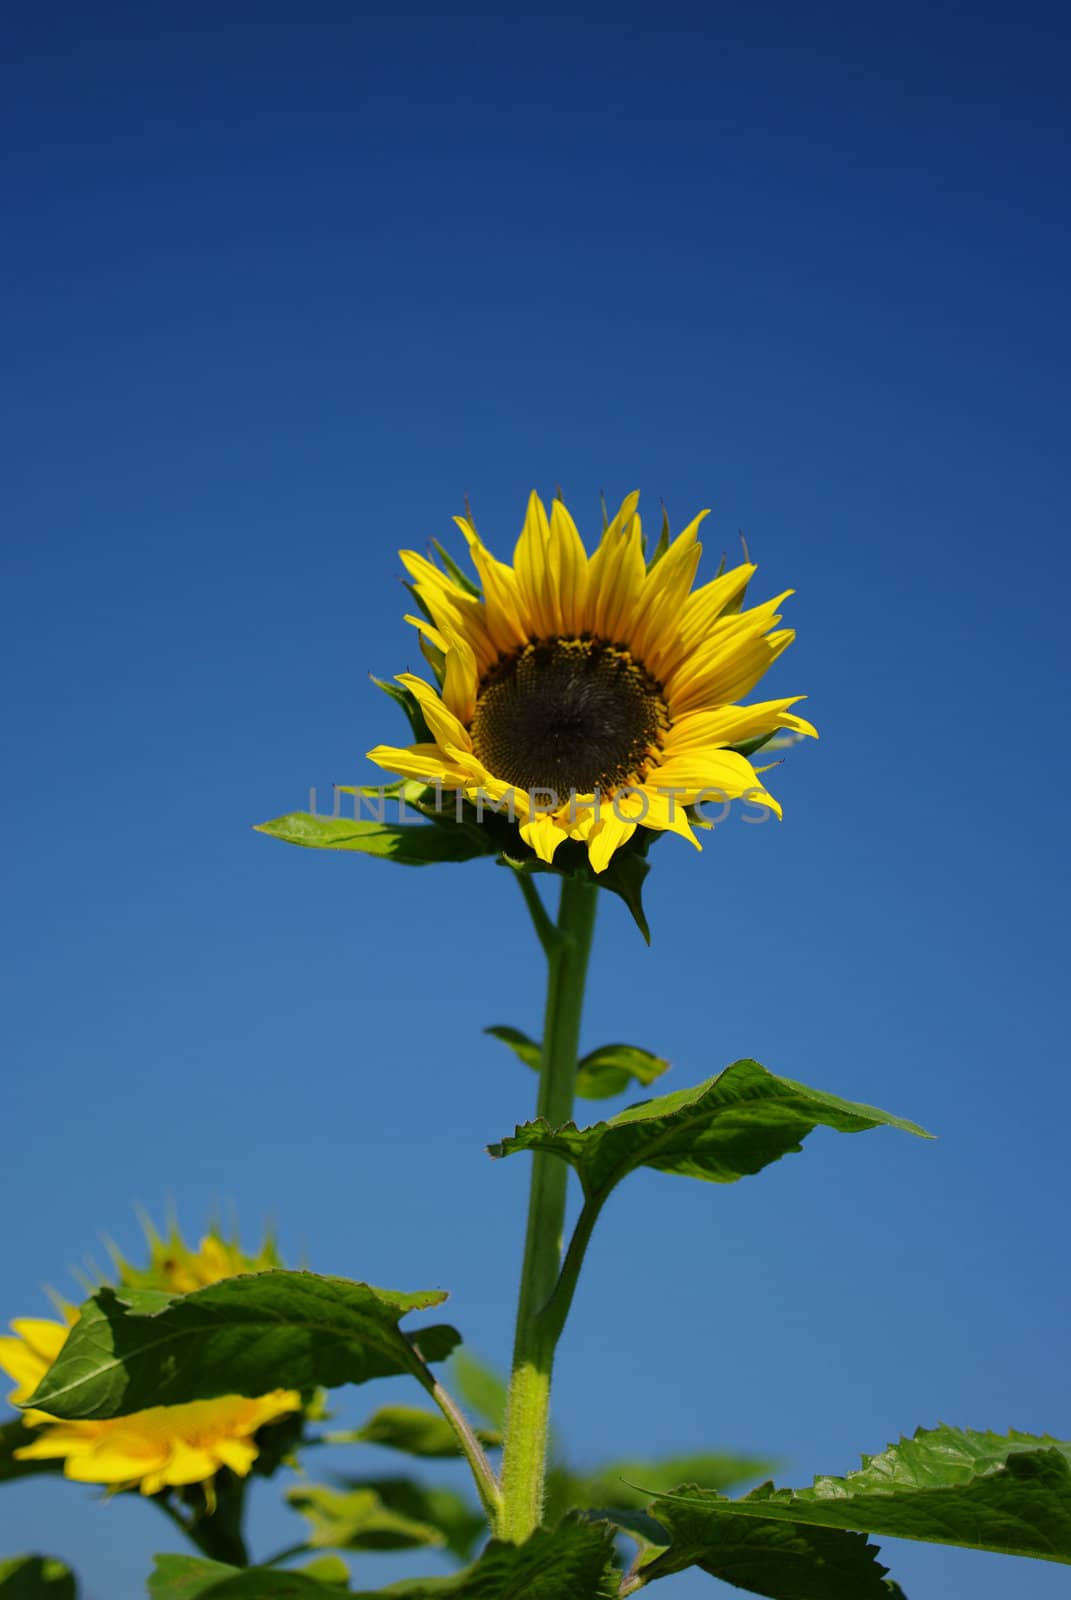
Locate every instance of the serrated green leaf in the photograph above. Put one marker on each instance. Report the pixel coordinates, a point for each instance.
(13, 1436)
(460, 1523)
(724, 1129)
(357, 1519)
(415, 1432)
(784, 1561)
(195, 1578)
(244, 1335)
(601, 1073)
(483, 1389)
(410, 844)
(1009, 1493)
(36, 1578)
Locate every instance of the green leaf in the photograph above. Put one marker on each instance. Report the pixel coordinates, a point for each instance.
(564, 1563)
(614, 1483)
(483, 1390)
(244, 1335)
(785, 1561)
(416, 1432)
(1010, 1493)
(13, 1435)
(195, 1578)
(601, 1073)
(411, 844)
(726, 1128)
(327, 1569)
(36, 1578)
(357, 1519)
(460, 1523)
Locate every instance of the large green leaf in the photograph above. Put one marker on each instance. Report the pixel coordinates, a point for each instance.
(730, 1126)
(195, 1578)
(415, 1432)
(565, 1563)
(782, 1560)
(357, 1519)
(36, 1578)
(461, 1523)
(413, 844)
(601, 1073)
(245, 1335)
(13, 1436)
(985, 1491)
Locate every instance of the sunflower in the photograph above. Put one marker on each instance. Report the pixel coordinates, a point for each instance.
(592, 695)
(164, 1446)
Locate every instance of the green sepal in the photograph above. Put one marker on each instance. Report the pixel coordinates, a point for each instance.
(245, 1335)
(663, 541)
(1009, 1493)
(726, 1128)
(410, 705)
(357, 1519)
(434, 657)
(601, 1073)
(36, 1578)
(460, 577)
(411, 844)
(329, 1569)
(460, 1524)
(784, 1561)
(413, 1431)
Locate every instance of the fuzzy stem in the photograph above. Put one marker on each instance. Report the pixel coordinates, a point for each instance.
(527, 1424)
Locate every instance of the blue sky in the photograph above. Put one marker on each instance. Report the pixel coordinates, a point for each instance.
(281, 292)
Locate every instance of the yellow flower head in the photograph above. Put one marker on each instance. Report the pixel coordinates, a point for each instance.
(593, 694)
(164, 1446)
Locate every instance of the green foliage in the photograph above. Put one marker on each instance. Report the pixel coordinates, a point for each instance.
(358, 1519)
(985, 1491)
(36, 1578)
(13, 1435)
(196, 1578)
(456, 1519)
(414, 1431)
(785, 1561)
(480, 1386)
(601, 1073)
(566, 1563)
(411, 844)
(726, 1128)
(614, 1484)
(244, 1335)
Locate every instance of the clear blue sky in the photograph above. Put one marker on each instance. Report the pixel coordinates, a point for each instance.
(279, 292)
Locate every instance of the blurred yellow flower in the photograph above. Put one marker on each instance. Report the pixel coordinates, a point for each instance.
(164, 1446)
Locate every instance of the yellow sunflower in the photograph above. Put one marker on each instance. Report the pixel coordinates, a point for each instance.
(592, 695)
(163, 1446)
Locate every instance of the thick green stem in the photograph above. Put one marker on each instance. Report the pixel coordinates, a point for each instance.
(525, 1452)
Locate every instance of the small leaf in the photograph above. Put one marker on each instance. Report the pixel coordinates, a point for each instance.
(411, 844)
(601, 1073)
(663, 542)
(36, 1578)
(784, 1561)
(614, 1484)
(459, 1522)
(482, 1389)
(564, 1563)
(244, 1335)
(727, 1128)
(416, 1432)
(1010, 1493)
(357, 1519)
(195, 1578)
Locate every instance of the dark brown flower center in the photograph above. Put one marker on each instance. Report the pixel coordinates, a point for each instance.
(569, 715)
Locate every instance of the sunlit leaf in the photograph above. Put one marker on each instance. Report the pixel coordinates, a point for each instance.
(411, 844)
(357, 1519)
(244, 1335)
(415, 1432)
